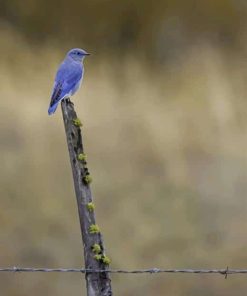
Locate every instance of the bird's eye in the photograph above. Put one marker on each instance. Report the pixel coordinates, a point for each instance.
(78, 53)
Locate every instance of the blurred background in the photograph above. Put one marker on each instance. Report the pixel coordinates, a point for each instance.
(163, 105)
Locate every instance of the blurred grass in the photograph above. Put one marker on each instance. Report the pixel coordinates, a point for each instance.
(166, 148)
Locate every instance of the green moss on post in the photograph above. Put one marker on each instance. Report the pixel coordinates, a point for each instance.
(106, 260)
(94, 228)
(90, 206)
(97, 257)
(77, 122)
(87, 179)
(82, 157)
(96, 248)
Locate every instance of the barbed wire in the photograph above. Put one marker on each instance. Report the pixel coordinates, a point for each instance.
(225, 271)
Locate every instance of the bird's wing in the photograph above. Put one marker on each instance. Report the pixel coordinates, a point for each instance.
(68, 75)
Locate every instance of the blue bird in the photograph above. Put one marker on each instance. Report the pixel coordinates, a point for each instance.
(68, 78)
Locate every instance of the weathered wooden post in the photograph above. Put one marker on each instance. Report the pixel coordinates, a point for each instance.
(98, 283)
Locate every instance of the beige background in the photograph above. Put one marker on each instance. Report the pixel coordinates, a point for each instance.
(163, 105)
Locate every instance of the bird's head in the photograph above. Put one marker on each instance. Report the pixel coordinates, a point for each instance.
(77, 54)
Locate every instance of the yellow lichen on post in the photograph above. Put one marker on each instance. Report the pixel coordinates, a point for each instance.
(106, 260)
(97, 257)
(90, 206)
(96, 248)
(88, 179)
(94, 228)
(82, 157)
(103, 258)
(77, 122)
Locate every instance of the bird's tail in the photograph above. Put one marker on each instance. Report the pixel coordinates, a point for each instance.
(52, 108)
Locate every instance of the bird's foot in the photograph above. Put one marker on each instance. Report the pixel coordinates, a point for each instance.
(70, 101)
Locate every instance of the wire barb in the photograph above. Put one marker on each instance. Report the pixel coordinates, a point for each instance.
(226, 272)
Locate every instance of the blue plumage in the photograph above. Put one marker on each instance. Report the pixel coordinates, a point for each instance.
(68, 78)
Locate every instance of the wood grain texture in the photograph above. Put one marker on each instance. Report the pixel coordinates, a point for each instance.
(97, 283)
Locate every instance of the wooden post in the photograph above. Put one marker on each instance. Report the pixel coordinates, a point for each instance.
(98, 283)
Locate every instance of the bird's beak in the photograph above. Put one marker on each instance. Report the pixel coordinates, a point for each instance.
(87, 53)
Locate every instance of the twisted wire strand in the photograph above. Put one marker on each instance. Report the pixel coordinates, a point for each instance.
(225, 271)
